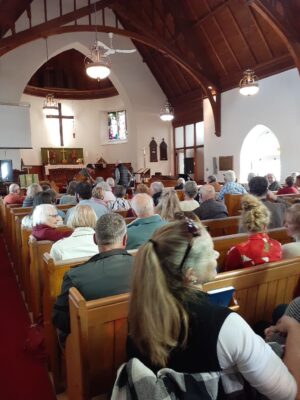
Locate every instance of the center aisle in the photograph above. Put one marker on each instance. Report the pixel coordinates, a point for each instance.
(22, 377)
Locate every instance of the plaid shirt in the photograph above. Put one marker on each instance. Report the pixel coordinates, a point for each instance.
(231, 188)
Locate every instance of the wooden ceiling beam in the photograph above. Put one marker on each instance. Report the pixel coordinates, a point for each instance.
(193, 70)
(281, 25)
(212, 12)
(241, 33)
(200, 56)
(261, 35)
(224, 37)
(45, 28)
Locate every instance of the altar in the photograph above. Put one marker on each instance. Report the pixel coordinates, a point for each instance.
(49, 167)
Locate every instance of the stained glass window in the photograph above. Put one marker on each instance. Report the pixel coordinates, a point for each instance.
(117, 128)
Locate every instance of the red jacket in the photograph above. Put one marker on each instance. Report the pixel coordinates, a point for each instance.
(258, 249)
(13, 198)
(45, 232)
(288, 190)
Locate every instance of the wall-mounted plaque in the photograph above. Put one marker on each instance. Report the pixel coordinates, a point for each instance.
(225, 163)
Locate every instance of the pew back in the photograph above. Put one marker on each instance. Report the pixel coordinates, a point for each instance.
(99, 328)
(222, 244)
(233, 203)
(222, 226)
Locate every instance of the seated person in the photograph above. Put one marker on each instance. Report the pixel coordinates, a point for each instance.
(289, 187)
(142, 188)
(45, 220)
(70, 197)
(107, 191)
(179, 184)
(190, 192)
(168, 205)
(273, 185)
(259, 248)
(13, 196)
(81, 242)
(111, 182)
(212, 180)
(173, 325)
(53, 195)
(32, 190)
(146, 223)
(230, 185)
(258, 187)
(43, 197)
(105, 274)
(292, 225)
(98, 195)
(83, 192)
(156, 189)
(209, 207)
(120, 204)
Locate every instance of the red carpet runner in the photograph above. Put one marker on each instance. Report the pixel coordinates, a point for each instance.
(21, 376)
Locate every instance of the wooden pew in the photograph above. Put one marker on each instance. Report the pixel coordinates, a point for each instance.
(53, 276)
(7, 224)
(222, 226)
(222, 244)
(25, 233)
(36, 252)
(180, 194)
(259, 289)
(96, 345)
(233, 204)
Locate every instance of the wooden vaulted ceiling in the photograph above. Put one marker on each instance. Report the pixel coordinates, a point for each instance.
(194, 48)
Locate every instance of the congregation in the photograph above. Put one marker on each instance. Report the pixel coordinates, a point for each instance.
(173, 251)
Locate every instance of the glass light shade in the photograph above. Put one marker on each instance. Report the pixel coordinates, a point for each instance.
(167, 112)
(97, 66)
(50, 106)
(97, 70)
(249, 83)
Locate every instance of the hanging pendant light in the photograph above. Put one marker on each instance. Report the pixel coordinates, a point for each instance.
(97, 66)
(167, 112)
(50, 106)
(249, 83)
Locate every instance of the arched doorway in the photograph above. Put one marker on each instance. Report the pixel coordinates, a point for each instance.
(260, 153)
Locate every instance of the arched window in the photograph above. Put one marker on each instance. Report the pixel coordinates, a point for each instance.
(260, 153)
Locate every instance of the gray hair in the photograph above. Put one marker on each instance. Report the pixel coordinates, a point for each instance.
(250, 176)
(110, 181)
(110, 229)
(105, 186)
(41, 213)
(211, 178)
(13, 188)
(99, 179)
(156, 187)
(190, 189)
(33, 189)
(142, 205)
(230, 176)
(208, 191)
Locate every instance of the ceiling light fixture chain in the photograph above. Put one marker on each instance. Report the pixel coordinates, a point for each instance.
(50, 105)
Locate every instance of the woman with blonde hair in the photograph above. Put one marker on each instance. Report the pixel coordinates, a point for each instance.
(168, 205)
(81, 242)
(292, 225)
(173, 325)
(259, 248)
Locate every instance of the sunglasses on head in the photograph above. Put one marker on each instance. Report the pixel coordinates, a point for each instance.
(193, 229)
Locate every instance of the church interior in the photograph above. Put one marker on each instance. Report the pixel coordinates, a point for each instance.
(167, 88)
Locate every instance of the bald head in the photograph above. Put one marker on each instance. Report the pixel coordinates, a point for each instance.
(207, 192)
(142, 205)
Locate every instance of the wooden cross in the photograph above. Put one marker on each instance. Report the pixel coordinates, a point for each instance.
(60, 119)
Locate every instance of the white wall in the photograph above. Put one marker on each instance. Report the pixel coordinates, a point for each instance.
(139, 94)
(277, 106)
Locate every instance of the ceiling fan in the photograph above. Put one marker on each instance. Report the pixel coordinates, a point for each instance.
(110, 50)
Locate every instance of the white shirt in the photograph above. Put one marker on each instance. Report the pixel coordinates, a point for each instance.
(238, 346)
(189, 205)
(79, 244)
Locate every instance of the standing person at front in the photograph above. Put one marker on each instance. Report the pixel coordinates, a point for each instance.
(173, 325)
(122, 175)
